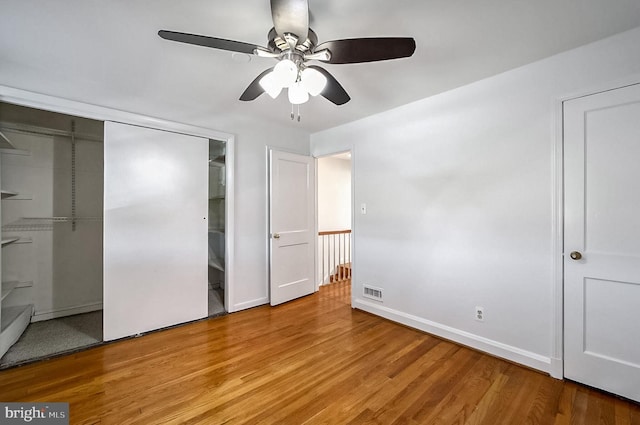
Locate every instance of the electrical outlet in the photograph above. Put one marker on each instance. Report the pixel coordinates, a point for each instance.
(479, 313)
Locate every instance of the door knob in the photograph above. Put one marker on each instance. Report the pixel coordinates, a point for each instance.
(575, 255)
(276, 236)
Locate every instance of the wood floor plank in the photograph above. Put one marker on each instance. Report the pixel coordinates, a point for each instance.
(622, 412)
(314, 360)
(482, 413)
(545, 405)
(635, 415)
(580, 406)
(458, 405)
(565, 404)
(422, 396)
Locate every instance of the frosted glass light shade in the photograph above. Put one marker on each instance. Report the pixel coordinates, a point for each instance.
(313, 81)
(285, 73)
(270, 85)
(298, 94)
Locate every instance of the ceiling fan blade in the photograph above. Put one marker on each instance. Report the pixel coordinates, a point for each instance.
(255, 89)
(216, 43)
(291, 16)
(333, 91)
(357, 50)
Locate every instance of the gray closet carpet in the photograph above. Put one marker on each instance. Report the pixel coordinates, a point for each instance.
(56, 336)
(216, 301)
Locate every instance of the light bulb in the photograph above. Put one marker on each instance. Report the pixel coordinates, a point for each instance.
(313, 81)
(270, 85)
(285, 73)
(298, 94)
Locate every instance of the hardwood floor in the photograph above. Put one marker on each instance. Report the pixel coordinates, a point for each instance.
(310, 361)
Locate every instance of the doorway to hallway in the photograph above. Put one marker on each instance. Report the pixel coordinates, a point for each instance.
(334, 215)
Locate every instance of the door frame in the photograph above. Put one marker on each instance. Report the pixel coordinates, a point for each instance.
(354, 264)
(557, 180)
(85, 110)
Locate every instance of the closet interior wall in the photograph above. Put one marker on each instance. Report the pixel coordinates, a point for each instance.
(57, 213)
(216, 236)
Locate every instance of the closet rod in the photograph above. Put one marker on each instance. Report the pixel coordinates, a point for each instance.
(28, 129)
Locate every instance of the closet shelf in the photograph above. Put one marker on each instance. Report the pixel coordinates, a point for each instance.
(8, 193)
(221, 197)
(14, 196)
(44, 223)
(6, 240)
(7, 287)
(14, 320)
(13, 151)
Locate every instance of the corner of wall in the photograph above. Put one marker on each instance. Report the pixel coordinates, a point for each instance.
(495, 348)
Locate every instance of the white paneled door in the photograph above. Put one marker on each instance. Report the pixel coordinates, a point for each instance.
(602, 241)
(155, 229)
(292, 226)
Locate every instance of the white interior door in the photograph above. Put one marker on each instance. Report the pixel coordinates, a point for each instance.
(155, 229)
(602, 241)
(292, 226)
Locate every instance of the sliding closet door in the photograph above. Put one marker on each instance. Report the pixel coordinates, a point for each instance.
(155, 229)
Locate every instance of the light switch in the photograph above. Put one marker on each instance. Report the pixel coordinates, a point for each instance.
(363, 208)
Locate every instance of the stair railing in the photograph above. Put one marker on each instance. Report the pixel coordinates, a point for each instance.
(335, 253)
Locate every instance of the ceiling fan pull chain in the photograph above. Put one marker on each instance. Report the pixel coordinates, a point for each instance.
(298, 113)
(292, 115)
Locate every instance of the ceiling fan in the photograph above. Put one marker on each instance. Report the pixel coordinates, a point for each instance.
(294, 45)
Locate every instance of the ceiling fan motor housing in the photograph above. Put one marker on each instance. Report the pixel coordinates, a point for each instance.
(291, 42)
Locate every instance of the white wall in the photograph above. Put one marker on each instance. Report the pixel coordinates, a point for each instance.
(334, 194)
(463, 214)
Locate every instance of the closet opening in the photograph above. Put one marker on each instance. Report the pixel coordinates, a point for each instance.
(52, 180)
(216, 231)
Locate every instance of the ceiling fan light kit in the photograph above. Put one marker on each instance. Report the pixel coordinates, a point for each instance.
(270, 85)
(298, 94)
(294, 44)
(285, 73)
(314, 82)
(301, 83)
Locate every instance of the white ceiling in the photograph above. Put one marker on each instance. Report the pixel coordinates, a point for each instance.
(108, 52)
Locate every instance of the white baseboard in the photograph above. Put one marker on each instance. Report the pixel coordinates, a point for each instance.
(39, 316)
(249, 304)
(557, 368)
(498, 349)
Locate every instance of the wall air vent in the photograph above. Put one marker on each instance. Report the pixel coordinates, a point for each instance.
(372, 292)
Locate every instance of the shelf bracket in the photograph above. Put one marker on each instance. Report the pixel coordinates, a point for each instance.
(6, 139)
